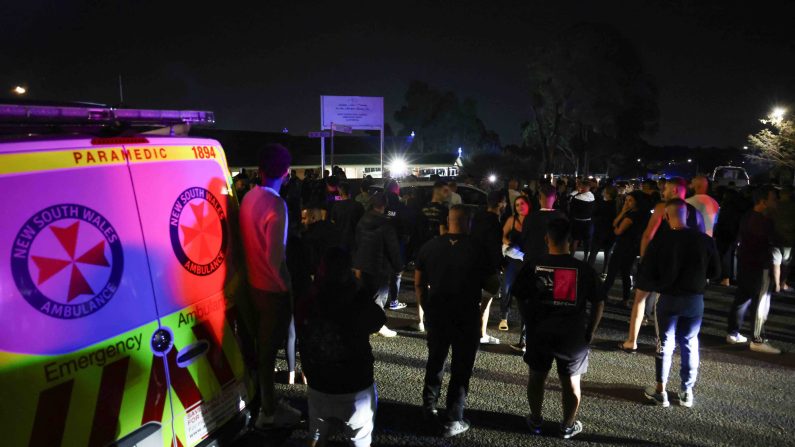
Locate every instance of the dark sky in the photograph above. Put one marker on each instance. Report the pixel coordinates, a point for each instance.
(719, 65)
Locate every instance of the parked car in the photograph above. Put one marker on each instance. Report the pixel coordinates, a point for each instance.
(730, 176)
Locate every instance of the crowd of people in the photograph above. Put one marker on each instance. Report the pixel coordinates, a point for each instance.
(324, 261)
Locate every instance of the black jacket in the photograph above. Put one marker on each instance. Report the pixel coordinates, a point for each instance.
(377, 250)
(345, 214)
(334, 323)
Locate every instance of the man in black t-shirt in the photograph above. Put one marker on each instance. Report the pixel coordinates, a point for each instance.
(435, 212)
(552, 293)
(450, 272)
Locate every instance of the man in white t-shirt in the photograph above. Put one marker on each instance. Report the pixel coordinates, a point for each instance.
(706, 205)
(263, 229)
(455, 198)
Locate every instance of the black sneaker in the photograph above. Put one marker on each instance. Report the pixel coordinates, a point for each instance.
(535, 426)
(430, 414)
(570, 432)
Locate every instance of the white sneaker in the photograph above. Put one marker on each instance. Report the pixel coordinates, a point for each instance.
(419, 327)
(386, 332)
(489, 340)
(764, 347)
(285, 416)
(736, 339)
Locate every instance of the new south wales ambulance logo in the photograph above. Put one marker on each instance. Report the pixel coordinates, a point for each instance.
(67, 261)
(197, 226)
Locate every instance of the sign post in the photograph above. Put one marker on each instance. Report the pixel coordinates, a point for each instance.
(322, 135)
(348, 113)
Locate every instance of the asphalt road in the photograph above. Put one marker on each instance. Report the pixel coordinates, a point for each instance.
(742, 398)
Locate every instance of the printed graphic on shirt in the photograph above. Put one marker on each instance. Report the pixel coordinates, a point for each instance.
(560, 284)
(198, 231)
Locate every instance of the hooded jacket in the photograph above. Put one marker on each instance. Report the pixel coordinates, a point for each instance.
(377, 251)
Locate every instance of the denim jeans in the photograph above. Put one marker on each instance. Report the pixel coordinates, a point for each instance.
(511, 271)
(678, 321)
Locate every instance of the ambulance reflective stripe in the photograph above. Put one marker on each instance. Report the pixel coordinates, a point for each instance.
(106, 413)
(51, 412)
(218, 361)
(181, 381)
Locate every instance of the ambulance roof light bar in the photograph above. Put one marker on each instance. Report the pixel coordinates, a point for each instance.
(101, 115)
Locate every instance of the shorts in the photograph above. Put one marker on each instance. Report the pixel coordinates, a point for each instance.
(570, 353)
(781, 255)
(355, 412)
(581, 230)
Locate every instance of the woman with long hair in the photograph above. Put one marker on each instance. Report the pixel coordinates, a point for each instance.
(512, 238)
(628, 227)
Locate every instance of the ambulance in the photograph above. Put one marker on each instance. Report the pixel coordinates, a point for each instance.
(121, 280)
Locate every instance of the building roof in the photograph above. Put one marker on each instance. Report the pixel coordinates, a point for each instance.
(242, 147)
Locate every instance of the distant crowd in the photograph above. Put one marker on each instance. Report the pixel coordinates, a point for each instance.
(324, 259)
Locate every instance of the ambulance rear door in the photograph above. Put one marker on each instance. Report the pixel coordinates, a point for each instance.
(187, 209)
(77, 313)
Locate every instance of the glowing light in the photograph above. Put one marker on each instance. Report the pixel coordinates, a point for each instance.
(412, 134)
(398, 167)
(638, 160)
(19, 90)
(690, 160)
(745, 147)
(777, 114)
(492, 178)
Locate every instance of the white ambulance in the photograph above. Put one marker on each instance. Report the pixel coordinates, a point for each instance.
(120, 280)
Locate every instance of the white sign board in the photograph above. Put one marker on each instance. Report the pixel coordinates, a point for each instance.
(359, 112)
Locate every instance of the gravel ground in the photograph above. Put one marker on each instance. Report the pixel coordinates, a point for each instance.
(741, 396)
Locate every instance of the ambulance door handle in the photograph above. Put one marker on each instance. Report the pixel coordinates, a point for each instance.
(191, 353)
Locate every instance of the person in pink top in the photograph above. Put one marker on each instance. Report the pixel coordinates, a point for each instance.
(263, 229)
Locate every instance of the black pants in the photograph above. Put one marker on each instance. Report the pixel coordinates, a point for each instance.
(753, 292)
(582, 230)
(601, 242)
(464, 341)
(621, 262)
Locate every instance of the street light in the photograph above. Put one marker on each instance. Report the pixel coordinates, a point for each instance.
(690, 160)
(777, 115)
(745, 148)
(638, 160)
(492, 178)
(19, 90)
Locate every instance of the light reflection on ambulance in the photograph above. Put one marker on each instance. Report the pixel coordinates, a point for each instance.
(119, 285)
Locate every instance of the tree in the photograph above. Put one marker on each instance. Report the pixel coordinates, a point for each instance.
(775, 143)
(588, 81)
(442, 122)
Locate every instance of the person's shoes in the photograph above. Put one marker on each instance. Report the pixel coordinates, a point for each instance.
(764, 347)
(419, 327)
(455, 428)
(430, 414)
(647, 322)
(736, 339)
(623, 348)
(397, 305)
(386, 332)
(603, 276)
(535, 426)
(519, 347)
(686, 399)
(570, 432)
(489, 340)
(725, 282)
(503, 325)
(655, 397)
(284, 417)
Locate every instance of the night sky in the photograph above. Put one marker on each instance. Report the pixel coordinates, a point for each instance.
(719, 65)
